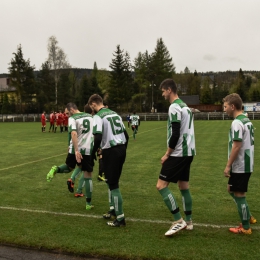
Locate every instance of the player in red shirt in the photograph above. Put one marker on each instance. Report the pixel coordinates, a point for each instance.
(59, 121)
(43, 120)
(65, 121)
(52, 120)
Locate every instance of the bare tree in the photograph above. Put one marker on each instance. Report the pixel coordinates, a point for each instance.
(57, 60)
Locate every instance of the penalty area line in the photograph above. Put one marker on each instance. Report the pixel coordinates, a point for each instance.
(47, 158)
(99, 217)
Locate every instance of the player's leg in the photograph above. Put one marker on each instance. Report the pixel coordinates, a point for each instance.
(183, 184)
(55, 129)
(113, 161)
(81, 185)
(133, 129)
(100, 170)
(111, 214)
(87, 169)
(71, 180)
(171, 173)
(64, 168)
(238, 183)
(252, 219)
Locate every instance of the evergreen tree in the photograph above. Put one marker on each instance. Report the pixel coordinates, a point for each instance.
(6, 106)
(117, 78)
(22, 78)
(94, 86)
(84, 91)
(161, 67)
(141, 82)
(128, 79)
(45, 88)
(64, 89)
(205, 92)
(240, 85)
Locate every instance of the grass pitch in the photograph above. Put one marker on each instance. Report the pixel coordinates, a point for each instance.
(44, 215)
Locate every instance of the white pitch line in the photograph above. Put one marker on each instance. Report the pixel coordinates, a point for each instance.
(150, 130)
(99, 217)
(32, 162)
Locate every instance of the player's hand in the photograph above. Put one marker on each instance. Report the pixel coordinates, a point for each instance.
(164, 158)
(78, 156)
(227, 171)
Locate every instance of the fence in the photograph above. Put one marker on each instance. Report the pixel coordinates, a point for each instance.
(143, 117)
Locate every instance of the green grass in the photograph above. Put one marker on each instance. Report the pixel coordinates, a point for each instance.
(44, 215)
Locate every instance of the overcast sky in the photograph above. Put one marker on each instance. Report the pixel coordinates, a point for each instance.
(204, 35)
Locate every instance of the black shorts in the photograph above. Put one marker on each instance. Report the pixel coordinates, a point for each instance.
(85, 162)
(113, 161)
(176, 169)
(238, 181)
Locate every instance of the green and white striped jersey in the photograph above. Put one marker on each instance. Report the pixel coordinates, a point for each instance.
(82, 123)
(180, 112)
(242, 130)
(134, 119)
(110, 125)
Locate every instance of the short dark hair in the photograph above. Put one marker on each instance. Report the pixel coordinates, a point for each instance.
(169, 83)
(234, 99)
(95, 98)
(87, 109)
(70, 105)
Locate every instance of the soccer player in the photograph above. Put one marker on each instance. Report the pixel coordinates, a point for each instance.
(65, 122)
(110, 134)
(81, 143)
(60, 120)
(128, 120)
(178, 157)
(52, 120)
(135, 122)
(240, 160)
(43, 120)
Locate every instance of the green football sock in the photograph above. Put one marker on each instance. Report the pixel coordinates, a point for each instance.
(75, 174)
(118, 203)
(81, 183)
(88, 189)
(170, 202)
(243, 211)
(233, 196)
(63, 168)
(187, 203)
(111, 205)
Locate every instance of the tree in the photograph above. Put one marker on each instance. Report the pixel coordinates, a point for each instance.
(128, 79)
(64, 88)
(22, 77)
(240, 85)
(6, 106)
(205, 92)
(84, 91)
(161, 67)
(117, 78)
(46, 87)
(58, 61)
(141, 82)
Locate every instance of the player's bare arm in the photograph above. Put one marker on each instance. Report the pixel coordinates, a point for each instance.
(233, 155)
(74, 138)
